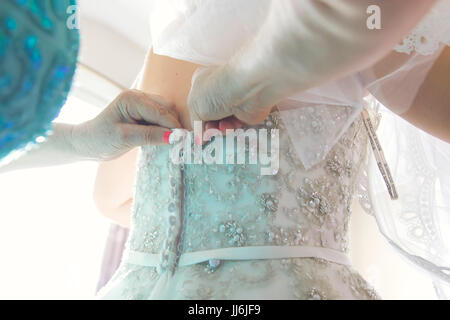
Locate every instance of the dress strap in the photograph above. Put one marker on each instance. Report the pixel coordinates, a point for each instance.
(242, 253)
(379, 155)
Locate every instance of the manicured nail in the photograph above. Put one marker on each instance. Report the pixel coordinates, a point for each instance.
(166, 136)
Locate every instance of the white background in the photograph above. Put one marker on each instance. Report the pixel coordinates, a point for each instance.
(51, 235)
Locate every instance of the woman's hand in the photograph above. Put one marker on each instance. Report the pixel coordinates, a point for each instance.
(222, 103)
(133, 119)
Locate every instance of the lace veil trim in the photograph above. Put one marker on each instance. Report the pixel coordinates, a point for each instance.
(433, 30)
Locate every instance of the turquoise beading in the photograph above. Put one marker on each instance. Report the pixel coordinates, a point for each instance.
(38, 56)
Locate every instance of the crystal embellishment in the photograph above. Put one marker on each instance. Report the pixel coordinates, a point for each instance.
(234, 232)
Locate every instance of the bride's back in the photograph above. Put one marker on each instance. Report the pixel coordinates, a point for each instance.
(169, 78)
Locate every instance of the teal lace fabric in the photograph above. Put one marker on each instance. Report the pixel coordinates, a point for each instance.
(234, 205)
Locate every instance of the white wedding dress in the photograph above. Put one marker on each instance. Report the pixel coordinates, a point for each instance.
(225, 231)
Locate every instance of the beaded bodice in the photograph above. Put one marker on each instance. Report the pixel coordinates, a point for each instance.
(192, 207)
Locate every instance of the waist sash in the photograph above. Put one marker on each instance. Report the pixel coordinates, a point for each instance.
(241, 253)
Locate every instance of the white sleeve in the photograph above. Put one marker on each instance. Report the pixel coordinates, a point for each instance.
(306, 43)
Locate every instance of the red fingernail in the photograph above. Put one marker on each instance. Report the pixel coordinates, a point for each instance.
(197, 140)
(166, 136)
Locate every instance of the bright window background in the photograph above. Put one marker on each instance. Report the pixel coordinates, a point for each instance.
(391, 275)
(51, 235)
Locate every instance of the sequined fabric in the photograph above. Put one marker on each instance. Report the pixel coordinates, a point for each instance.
(38, 56)
(233, 205)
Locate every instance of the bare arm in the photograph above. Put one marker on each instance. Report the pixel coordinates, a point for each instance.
(429, 109)
(312, 42)
(113, 191)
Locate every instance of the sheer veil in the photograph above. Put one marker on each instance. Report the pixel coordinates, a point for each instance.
(417, 224)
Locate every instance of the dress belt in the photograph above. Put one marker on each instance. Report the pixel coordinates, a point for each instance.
(241, 253)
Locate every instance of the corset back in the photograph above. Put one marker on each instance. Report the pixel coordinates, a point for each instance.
(194, 207)
(227, 231)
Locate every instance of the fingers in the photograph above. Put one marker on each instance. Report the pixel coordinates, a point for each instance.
(251, 118)
(135, 135)
(236, 122)
(214, 96)
(205, 99)
(212, 127)
(191, 99)
(163, 102)
(138, 107)
(230, 123)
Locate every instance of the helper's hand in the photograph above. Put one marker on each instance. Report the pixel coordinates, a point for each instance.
(301, 45)
(221, 102)
(133, 119)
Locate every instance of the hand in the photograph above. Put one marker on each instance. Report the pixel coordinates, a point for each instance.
(133, 119)
(222, 103)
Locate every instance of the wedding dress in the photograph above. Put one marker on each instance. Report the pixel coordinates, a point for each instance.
(227, 232)
(296, 221)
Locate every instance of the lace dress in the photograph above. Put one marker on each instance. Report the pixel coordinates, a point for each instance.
(225, 231)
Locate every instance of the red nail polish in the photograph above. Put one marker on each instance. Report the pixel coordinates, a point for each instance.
(223, 126)
(166, 136)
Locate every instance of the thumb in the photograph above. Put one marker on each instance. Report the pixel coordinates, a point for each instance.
(135, 135)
